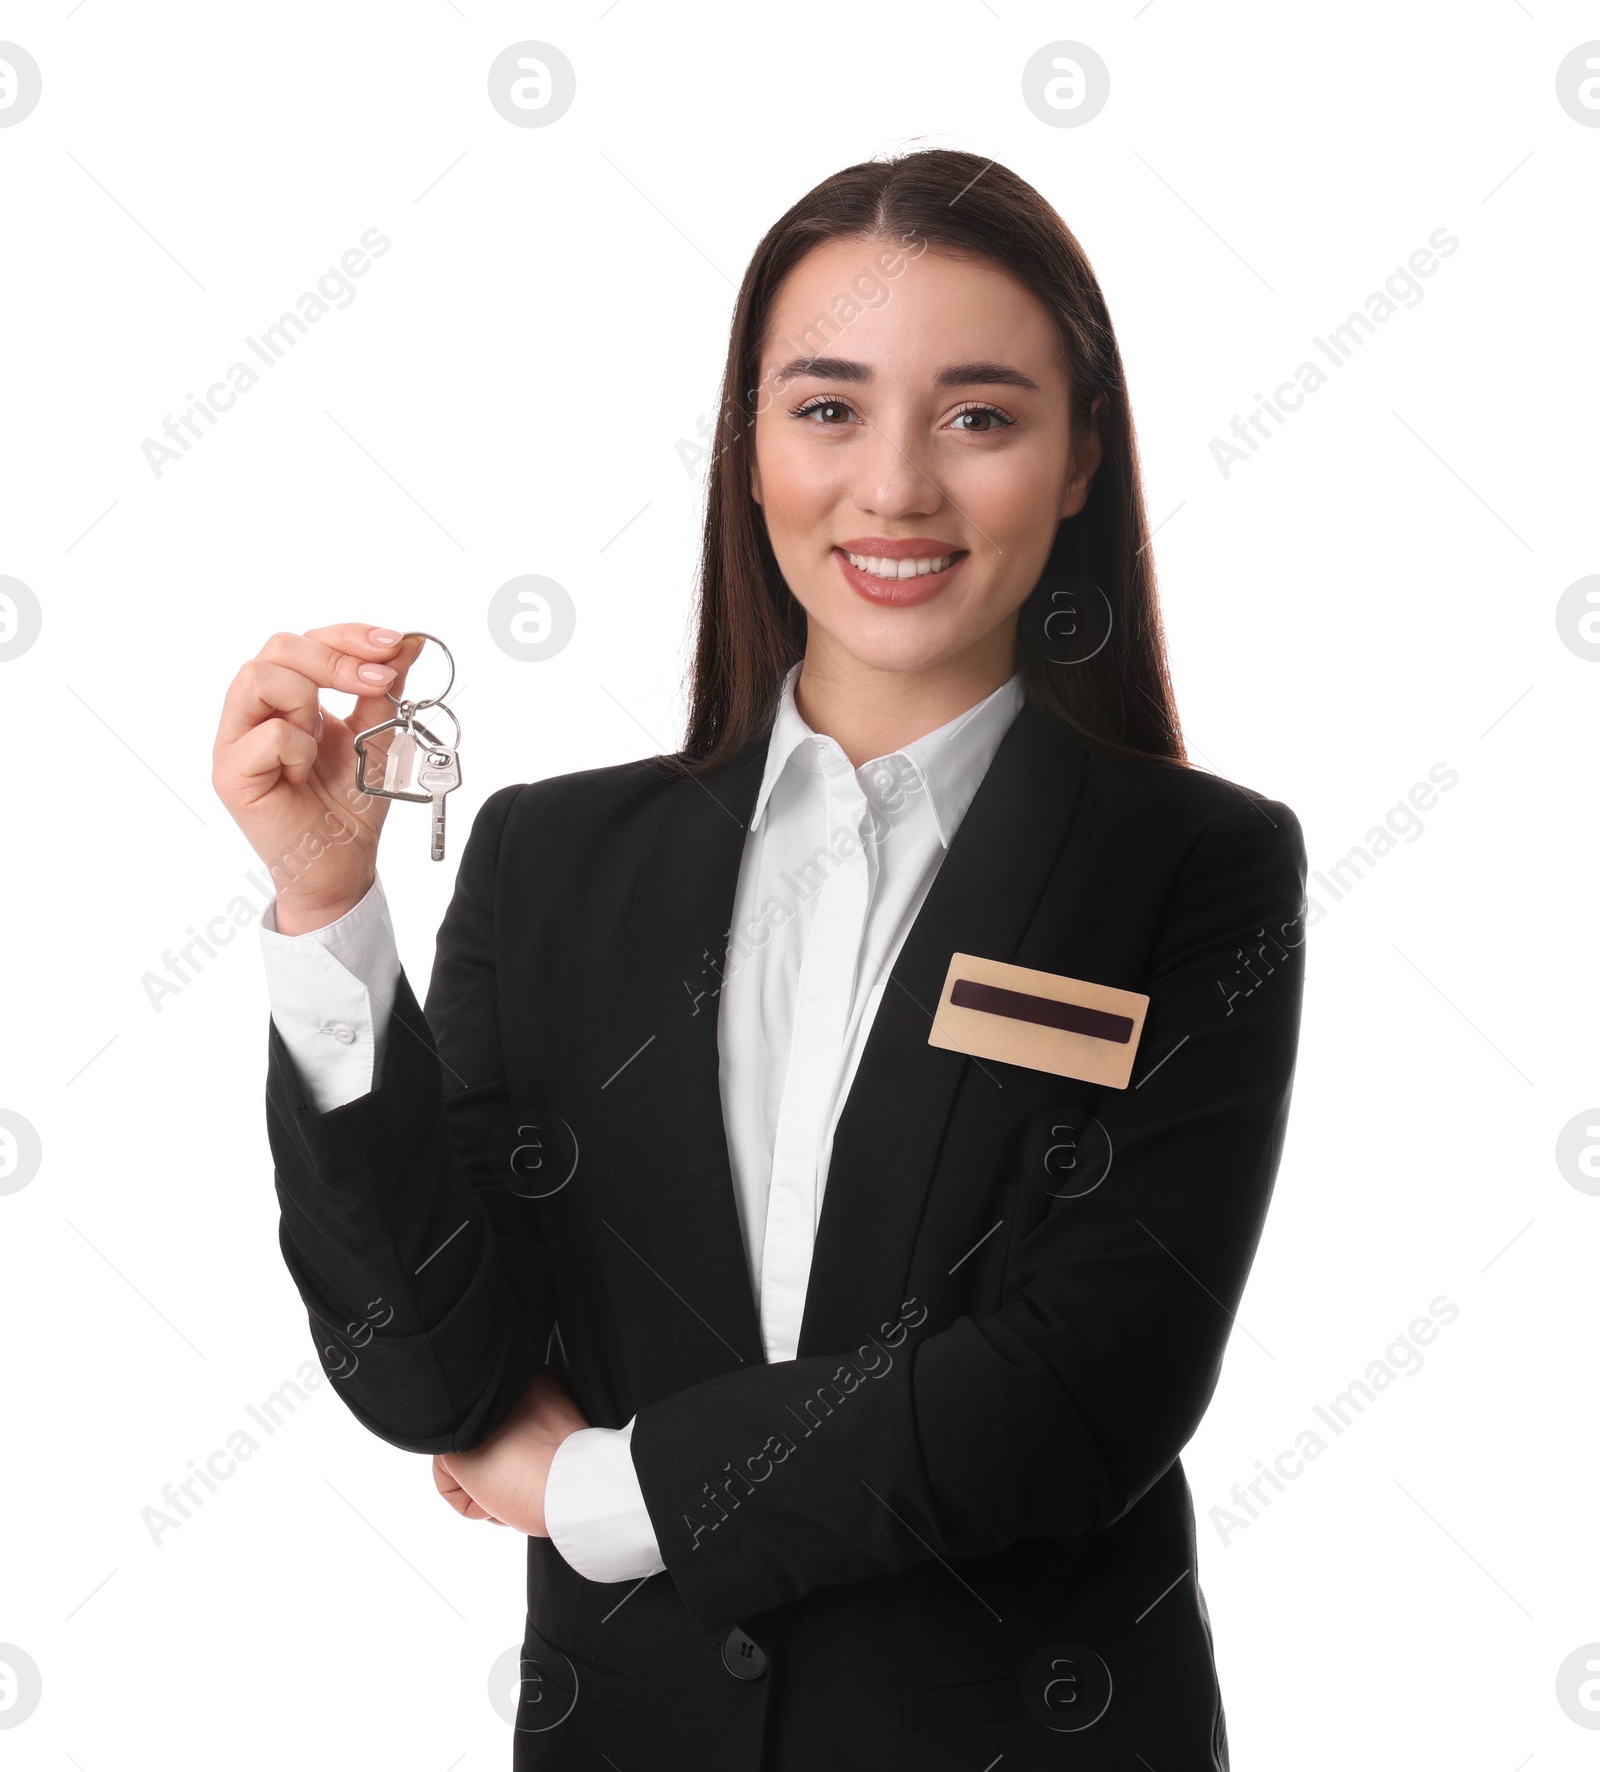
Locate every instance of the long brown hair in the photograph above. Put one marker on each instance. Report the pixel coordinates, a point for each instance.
(750, 626)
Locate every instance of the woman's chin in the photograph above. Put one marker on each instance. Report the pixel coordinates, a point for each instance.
(896, 643)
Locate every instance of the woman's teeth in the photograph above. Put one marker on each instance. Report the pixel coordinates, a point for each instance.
(899, 568)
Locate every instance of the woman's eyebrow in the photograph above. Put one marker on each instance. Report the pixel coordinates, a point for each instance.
(967, 374)
(825, 369)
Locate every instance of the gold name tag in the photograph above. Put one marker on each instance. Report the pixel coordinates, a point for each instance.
(1039, 1019)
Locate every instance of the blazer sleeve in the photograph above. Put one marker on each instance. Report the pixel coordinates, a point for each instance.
(1052, 1415)
(427, 1285)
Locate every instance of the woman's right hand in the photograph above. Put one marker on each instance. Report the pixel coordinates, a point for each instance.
(285, 767)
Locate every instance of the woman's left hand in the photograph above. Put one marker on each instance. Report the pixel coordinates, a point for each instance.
(504, 1479)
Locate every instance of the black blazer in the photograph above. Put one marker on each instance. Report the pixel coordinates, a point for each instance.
(956, 1525)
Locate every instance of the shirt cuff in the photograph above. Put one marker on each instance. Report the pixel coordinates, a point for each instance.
(594, 1509)
(330, 991)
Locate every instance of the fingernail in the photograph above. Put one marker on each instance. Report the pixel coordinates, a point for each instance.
(318, 730)
(371, 673)
(383, 636)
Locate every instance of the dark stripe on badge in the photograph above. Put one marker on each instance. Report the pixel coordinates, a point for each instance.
(1075, 1018)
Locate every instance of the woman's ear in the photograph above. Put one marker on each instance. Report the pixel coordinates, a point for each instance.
(1084, 462)
(755, 478)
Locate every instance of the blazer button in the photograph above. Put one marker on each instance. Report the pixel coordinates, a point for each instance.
(742, 1657)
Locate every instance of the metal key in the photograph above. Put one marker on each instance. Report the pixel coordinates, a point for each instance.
(439, 775)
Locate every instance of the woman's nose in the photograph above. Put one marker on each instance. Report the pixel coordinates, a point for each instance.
(894, 478)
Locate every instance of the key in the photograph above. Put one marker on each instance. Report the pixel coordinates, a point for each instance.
(439, 775)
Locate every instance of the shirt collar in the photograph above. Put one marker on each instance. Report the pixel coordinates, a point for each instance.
(950, 761)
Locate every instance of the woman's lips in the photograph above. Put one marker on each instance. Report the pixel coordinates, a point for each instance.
(899, 591)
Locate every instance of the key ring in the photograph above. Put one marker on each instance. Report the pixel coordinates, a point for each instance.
(455, 743)
(399, 702)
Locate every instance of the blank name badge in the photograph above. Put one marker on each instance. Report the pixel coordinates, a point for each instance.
(1042, 1020)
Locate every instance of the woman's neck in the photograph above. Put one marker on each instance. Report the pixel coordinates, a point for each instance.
(870, 712)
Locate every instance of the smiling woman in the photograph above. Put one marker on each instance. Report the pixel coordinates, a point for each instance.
(815, 1200)
(910, 432)
(966, 403)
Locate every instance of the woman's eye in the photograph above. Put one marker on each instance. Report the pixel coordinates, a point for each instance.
(829, 412)
(979, 419)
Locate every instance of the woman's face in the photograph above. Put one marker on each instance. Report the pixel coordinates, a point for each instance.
(912, 450)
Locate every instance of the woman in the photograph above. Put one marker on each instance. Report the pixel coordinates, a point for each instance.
(813, 1205)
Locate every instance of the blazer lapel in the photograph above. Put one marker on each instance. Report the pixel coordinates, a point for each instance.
(890, 1129)
(683, 1209)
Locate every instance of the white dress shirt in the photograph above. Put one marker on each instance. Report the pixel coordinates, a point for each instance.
(836, 864)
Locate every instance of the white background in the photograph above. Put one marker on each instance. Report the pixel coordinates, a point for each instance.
(1372, 593)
